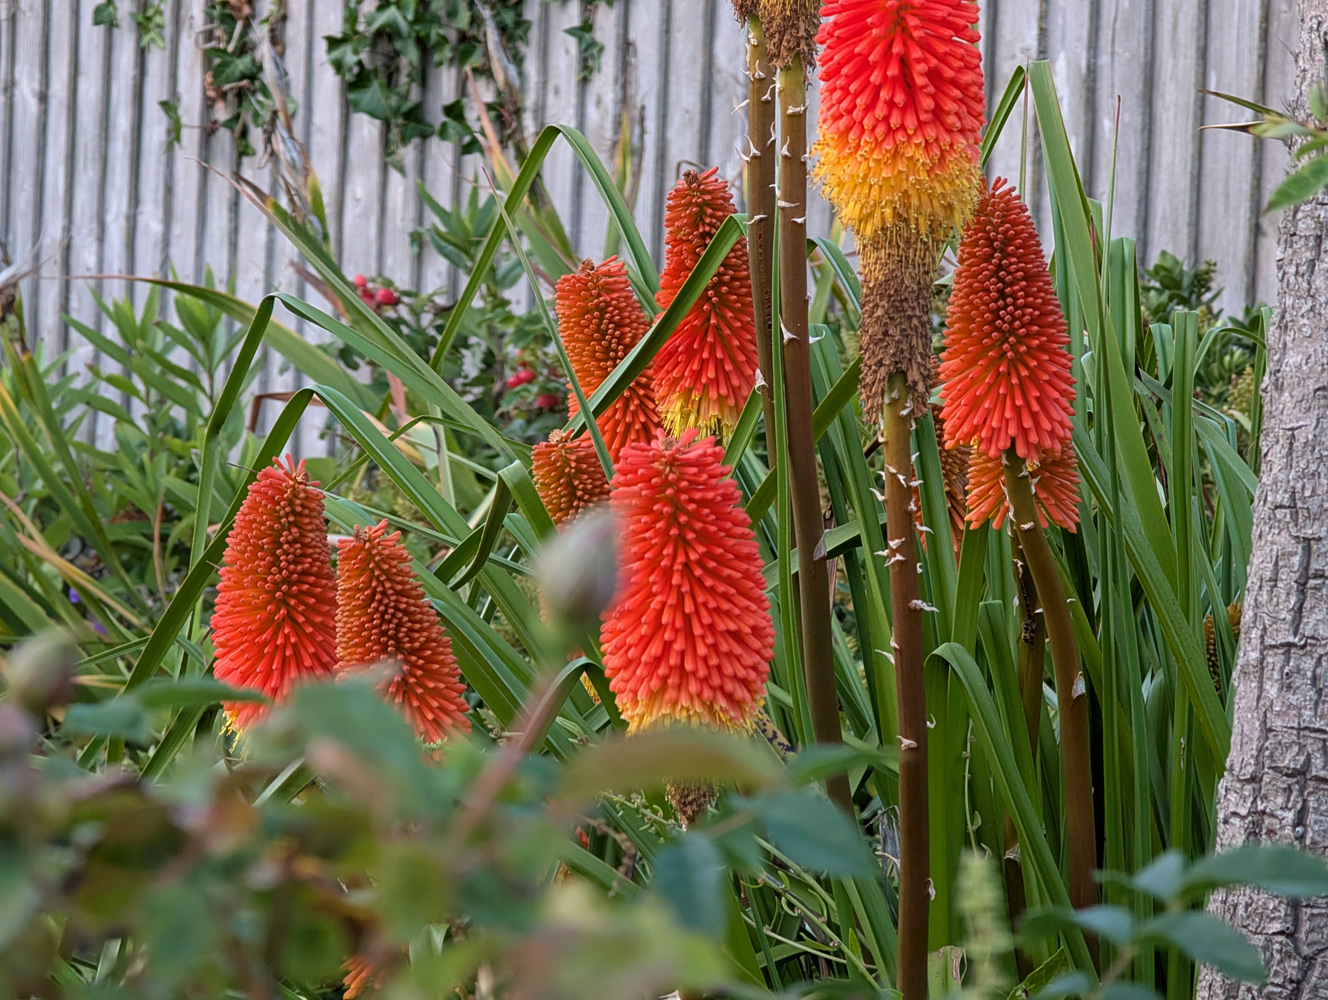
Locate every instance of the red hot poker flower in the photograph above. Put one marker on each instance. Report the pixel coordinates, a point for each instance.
(706, 371)
(1005, 364)
(568, 475)
(273, 624)
(383, 615)
(901, 113)
(600, 321)
(688, 638)
(1055, 482)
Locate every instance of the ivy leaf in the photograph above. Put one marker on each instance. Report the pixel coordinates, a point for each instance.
(107, 14)
(373, 97)
(173, 124)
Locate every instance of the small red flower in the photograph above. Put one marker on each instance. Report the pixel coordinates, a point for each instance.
(1005, 365)
(600, 321)
(707, 369)
(384, 616)
(274, 623)
(688, 637)
(1055, 483)
(568, 475)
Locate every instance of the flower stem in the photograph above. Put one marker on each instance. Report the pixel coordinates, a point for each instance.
(761, 199)
(1071, 694)
(906, 642)
(809, 527)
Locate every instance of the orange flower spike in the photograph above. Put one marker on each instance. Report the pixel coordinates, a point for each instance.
(1055, 482)
(901, 113)
(707, 369)
(688, 638)
(567, 474)
(600, 321)
(383, 615)
(1005, 365)
(273, 624)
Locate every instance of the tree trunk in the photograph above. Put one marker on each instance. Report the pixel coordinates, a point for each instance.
(1276, 783)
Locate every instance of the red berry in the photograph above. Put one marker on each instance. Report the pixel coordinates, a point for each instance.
(520, 377)
(547, 401)
(361, 281)
(367, 296)
(387, 297)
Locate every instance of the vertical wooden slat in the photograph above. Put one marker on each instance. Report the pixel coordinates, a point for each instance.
(1173, 200)
(1124, 40)
(1279, 75)
(555, 68)
(650, 31)
(26, 139)
(689, 67)
(44, 323)
(727, 89)
(438, 170)
(1226, 158)
(8, 33)
(1070, 48)
(600, 108)
(1012, 40)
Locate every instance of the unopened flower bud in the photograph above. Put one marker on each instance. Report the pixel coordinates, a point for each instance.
(40, 673)
(578, 570)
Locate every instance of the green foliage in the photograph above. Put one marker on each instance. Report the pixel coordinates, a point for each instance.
(237, 91)
(386, 48)
(1309, 146)
(151, 852)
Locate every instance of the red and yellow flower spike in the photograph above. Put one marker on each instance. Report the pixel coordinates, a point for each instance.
(688, 638)
(274, 623)
(1054, 481)
(600, 321)
(707, 369)
(1006, 364)
(901, 114)
(568, 475)
(383, 615)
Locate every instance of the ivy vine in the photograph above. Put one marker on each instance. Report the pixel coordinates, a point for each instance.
(387, 46)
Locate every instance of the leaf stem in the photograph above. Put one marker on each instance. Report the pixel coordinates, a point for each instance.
(761, 200)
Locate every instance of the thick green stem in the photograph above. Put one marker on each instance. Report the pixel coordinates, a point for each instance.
(906, 643)
(1071, 693)
(761, 199)
(808, 525)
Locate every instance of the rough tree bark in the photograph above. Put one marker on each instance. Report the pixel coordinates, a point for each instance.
(1276, 783)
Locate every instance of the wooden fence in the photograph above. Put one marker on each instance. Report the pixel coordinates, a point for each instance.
(91, 186)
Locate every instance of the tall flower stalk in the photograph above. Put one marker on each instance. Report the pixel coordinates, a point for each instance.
(901, 113)
(790, 29)
(1008, 391)
(759, 158)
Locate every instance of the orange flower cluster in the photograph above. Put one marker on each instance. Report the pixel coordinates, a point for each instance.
(274, 624)
(1005, 365)
(283, 617)
(600, 321)
(706, 371)
(383, 616)
(688, 638)
(901, 114)
(567, 474)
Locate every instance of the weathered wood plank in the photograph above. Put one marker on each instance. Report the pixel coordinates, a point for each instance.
(1124, 52)
(1228, 190)
(25, 135)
